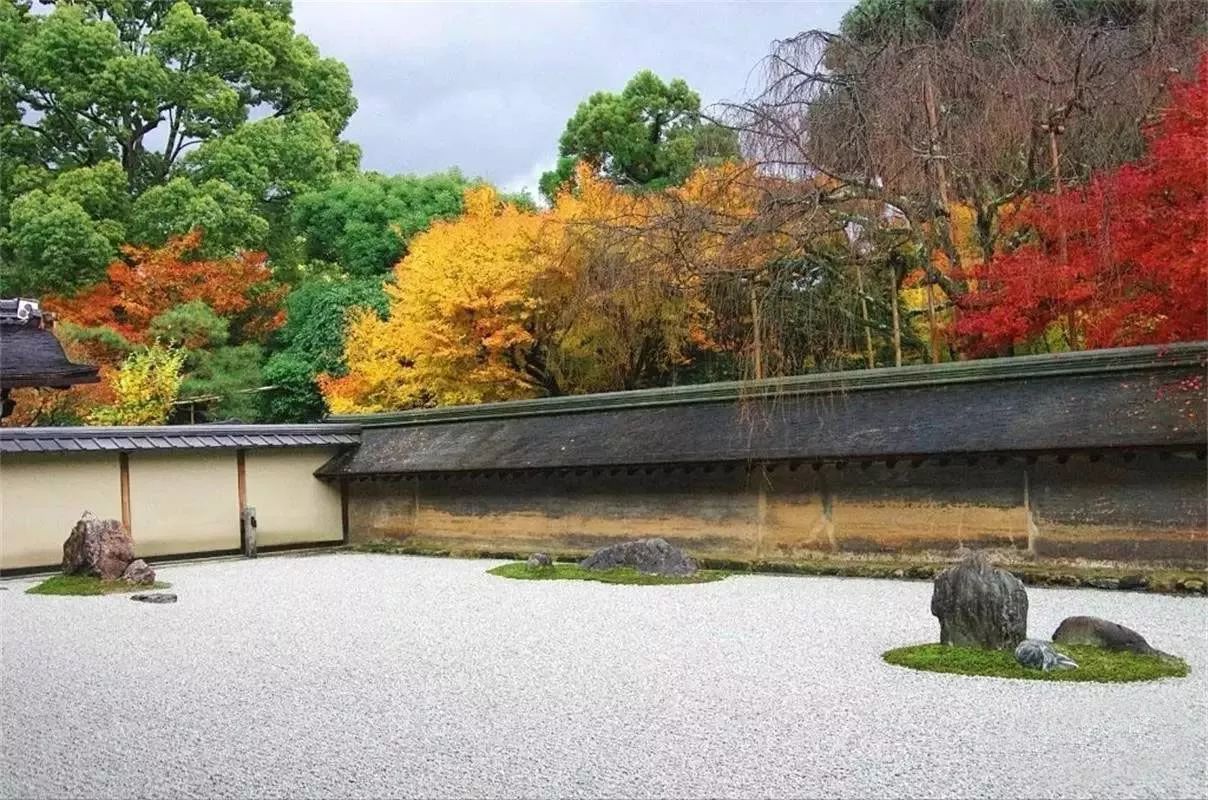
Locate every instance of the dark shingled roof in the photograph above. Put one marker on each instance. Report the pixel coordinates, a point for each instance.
(1127, 398)
(174, 437)
(32, 356)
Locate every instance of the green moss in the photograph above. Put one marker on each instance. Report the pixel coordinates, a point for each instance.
(573, 572)
(88, 585)
(1094, 664)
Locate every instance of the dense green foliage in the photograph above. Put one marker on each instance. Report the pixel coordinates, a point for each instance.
(86, 585)
(312, 343)
(363, 223)
(128, 122)
(1094, 664)
(625, 575)
(650, 135)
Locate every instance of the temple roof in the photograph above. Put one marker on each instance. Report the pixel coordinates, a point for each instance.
(1144, 397)
(173, 437)
(30, 355)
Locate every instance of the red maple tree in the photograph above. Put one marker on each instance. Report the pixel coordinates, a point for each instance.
(1120, 261)
(149, 281)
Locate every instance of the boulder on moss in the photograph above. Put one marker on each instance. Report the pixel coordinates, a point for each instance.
(650, 556)
(102, 548)
(1103, 633)
(979, 605)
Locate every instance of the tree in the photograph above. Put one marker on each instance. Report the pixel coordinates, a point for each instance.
(92, 82)
(922, 107)
(152, 99)
(1120, 261)
(311, 343)
(650, 135)
(144, 388)
(502, 303)
(150, 281)
(363, 223)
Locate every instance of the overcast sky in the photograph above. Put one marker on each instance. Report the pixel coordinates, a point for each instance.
(488, 87)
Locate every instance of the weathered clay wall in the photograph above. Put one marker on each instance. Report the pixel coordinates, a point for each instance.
(1142, 507)
(180, 502)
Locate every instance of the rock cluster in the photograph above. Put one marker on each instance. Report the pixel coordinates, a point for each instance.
(650, 556)
(979, 605)
(104, 549)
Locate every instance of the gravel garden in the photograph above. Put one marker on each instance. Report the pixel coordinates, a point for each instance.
(373, 675)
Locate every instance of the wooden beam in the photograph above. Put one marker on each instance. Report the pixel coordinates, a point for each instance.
(123, 467)
(344, 509)
(241, 487)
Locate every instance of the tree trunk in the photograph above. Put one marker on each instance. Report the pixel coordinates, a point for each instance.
(756, 324)
(864, 315)
(893, 304)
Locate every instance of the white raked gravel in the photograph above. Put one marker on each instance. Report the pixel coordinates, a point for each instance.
(387, 676)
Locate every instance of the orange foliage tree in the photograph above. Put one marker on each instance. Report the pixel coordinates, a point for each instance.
(150, 281)
(504, 303)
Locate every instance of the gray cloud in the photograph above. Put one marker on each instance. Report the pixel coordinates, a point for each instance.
(488, 87)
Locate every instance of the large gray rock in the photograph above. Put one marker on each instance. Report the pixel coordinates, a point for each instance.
(1097, 632)
(979, 605)
(140, 572)
(651, 556)
(98, 547)
(1035, 654)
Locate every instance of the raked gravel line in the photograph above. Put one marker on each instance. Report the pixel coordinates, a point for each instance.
(388, 676)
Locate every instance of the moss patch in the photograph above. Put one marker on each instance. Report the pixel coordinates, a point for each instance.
(573, 572)
(88, 585)
(1094, 664)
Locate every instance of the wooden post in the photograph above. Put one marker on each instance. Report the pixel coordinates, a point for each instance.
(344, 508)
(241, 478)
(241, 488)
(123, 468)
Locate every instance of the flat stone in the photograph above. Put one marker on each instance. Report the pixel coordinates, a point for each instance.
(650, 556)
(1134, 582)
(1037, 654)
(1096, 632)
(154, 597)
(979, 605)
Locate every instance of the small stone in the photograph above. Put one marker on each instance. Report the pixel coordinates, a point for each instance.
(98, 547)
(1103, 583)
(154, 597)
(1035, 654)
(979, 605)
(899, 573)
(138, 571)
(1194, 585)
(539, 560)
(650, 556)
(1096, 632)
(1134, 582)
